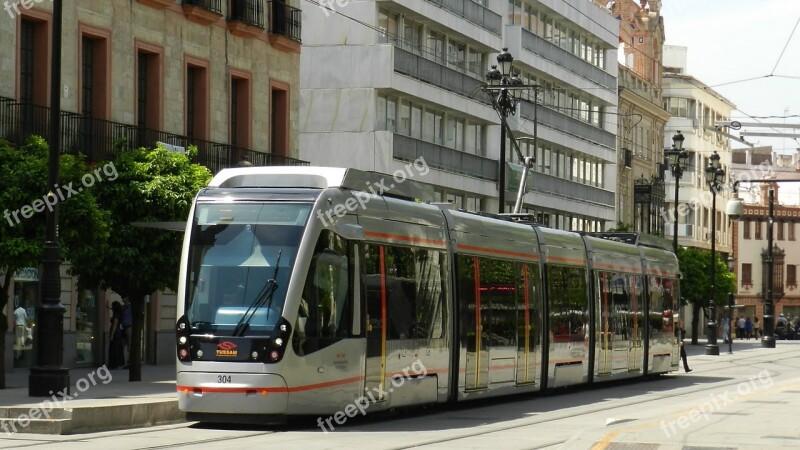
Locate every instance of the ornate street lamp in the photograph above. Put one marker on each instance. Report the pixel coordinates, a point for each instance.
(501, 85)
(714, 178)
(678, 163)
(48, 375)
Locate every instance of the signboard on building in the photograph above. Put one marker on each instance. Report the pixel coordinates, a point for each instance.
(27, 274)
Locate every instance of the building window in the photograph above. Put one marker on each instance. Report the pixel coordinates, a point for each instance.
(747, 274)
(746, 229)
(791, 275)
(790, 226)
(456, 54)
(197, 101)
(34, 66)
(240, 111)
(279, 119)
(758, 229)
(148, 88)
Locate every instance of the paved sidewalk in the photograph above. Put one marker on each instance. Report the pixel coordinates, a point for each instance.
(113, 403)
(99, 399)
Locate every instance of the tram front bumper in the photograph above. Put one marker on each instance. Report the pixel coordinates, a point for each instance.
(232, 393)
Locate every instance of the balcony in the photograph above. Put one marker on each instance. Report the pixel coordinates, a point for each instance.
(475, 13)
(204, 12)
(246, 17)
(436, 73)
(448, 159)
(567, 124)
(285, 24)
(563, 58)
(100, 139)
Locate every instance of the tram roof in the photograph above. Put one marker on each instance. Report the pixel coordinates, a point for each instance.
(316, 177)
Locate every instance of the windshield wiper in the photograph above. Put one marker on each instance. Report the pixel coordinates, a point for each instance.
(264, 297)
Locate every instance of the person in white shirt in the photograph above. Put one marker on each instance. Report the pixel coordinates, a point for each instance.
(20, 326)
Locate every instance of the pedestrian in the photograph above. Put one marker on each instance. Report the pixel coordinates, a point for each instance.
(127, 323)
(740, 327)
(116, 347)
(20, 329)
(748, 328)
(756, 328)
(726, 330)
(682, 335)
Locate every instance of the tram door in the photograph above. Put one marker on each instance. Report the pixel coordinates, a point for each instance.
(529, 324)
(375, 368)
(619, 346)
(475, 324)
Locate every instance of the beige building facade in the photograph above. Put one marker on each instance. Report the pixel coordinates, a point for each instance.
(219, 75)
(642, 118)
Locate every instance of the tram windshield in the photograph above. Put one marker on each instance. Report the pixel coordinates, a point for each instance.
(236, 251)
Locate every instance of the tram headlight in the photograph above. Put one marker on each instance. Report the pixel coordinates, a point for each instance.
(283, 328)
(182, 340)
(274, 355)
(278, 342)
(254, 355)
(199, 353)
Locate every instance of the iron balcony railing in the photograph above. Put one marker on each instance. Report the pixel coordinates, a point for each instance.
(285, 20)
(214, 6)
(250, 12)
(100, 139)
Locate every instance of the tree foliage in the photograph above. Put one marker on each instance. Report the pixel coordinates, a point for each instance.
(695, 267)
(154, 186)
(83, 225)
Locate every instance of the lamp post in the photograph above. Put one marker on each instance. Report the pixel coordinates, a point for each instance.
(678, 162)
(731, 265)
(714, 177)
(768, 340)
(49, 376)
(501, 85)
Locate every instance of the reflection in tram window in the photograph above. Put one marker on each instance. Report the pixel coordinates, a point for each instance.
(620, 303)
(414, 294)
(569, 305)
(325, 312)
(498, 317)
(662, 306)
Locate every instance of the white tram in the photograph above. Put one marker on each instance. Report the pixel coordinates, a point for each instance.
(303, 290)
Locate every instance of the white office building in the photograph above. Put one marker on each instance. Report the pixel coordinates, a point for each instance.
(386, 83)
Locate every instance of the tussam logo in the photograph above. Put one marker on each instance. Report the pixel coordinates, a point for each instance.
(227, 348)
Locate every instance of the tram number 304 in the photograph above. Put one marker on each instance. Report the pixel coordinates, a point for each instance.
(223, 379)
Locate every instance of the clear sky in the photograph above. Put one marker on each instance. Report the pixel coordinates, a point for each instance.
(733, 40)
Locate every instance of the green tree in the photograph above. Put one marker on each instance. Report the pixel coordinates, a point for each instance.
(695, 267)
(83, 225)
(154, 186)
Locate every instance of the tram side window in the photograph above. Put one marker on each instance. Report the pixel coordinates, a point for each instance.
(569, 305)
(414, 295)
(497, 290)
(325, 313)
(662, 304)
